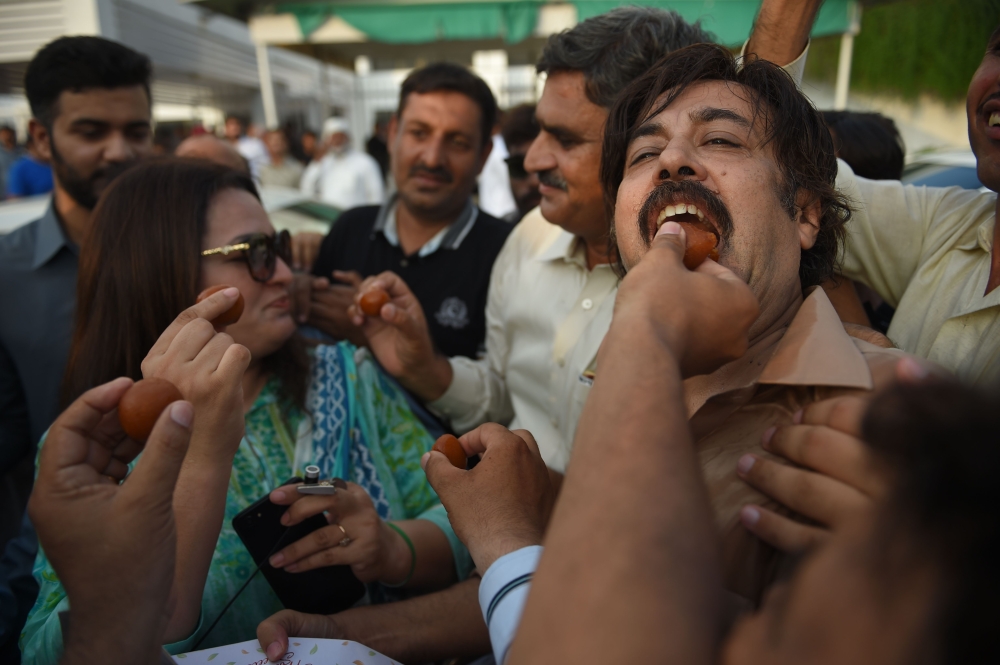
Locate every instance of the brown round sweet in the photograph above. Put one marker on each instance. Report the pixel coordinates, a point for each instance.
(231, 315)
(701, 244)
(372, 301)
(142, 404)
(450, 447)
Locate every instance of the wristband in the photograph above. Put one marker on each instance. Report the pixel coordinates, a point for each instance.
(413, 557)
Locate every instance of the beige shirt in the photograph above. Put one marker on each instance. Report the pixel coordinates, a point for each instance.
(811, 359)
(287, 174)
(927, 251)
(545, 318)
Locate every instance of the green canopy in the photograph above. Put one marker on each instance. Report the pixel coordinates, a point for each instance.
(414, 22)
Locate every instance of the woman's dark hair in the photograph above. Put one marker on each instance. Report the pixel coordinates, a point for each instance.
(81, 63)
(800, 140)
(447, 77)
(140, 266)
(938, 442)
(869, 142)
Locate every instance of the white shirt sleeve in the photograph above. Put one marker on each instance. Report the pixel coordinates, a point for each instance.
(478, 391)
(374, 183)
(310, 178)
(893, 226)
(503, 593)
(796, 68)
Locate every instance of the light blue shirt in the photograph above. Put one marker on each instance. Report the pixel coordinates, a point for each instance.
(502, 595)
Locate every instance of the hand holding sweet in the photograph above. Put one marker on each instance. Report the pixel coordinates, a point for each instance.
(207, 367)
(504, 502)
(703, 315)
(112, 545)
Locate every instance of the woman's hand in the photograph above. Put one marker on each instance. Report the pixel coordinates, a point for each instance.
(207, 367)
(355, 535)
(837, 480)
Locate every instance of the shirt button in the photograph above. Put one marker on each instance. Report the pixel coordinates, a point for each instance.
(561, 362)
(404, 263)
(587, 303)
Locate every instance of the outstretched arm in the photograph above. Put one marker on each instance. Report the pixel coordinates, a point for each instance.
(781, 31)
(646, 587)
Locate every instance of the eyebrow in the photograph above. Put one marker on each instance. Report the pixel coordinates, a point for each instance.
(105, 123)
(712, 113)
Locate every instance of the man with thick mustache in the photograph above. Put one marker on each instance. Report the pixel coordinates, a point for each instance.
(553, 287)
(696, 142)
(430, 232)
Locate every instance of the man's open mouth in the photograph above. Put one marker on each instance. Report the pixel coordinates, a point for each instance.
(994, 120)
(685, 202)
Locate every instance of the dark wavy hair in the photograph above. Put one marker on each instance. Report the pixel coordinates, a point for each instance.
(140, 266)
(614, 48)
(799, 138)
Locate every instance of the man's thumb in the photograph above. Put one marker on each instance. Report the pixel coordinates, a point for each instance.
(671, 235)
(440, 472)
(155, 474)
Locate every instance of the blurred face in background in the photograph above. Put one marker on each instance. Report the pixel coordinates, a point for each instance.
(234, 129)
(7, 138)
(309, 144)
(96, 134)
(277, 145)
(437, 151)
(523, 184)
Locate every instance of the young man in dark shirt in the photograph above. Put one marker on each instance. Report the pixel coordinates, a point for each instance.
(430, 232)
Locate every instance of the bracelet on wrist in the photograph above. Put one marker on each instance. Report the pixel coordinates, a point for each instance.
(413, 557)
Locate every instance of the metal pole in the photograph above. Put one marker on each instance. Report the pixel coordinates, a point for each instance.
(846, 53)
(843, 71)
(266, 87)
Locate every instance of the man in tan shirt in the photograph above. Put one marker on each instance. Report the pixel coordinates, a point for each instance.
(698, 141)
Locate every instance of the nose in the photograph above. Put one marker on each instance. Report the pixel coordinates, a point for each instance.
(540, 156)
(117, 149)
(679, 162)
(282, 274)
(433, 152)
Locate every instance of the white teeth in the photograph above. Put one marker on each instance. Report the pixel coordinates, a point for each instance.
(682, 208)
(994, 119)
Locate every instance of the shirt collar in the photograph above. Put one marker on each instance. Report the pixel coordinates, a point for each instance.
(983, 237)
(814, 350)
(450, 237)
(50, 238)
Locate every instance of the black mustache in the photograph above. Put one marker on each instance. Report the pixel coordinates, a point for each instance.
(995, 95)
(551, 178)
(689, 191)
(435, 172)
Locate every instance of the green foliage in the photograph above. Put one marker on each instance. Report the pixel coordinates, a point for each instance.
(913, 47)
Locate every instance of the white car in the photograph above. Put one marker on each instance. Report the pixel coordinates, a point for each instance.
(946, 168)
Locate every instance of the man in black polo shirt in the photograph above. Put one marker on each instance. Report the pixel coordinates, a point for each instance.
(430, 232)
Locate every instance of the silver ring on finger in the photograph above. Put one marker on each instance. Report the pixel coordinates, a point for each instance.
(346, 540)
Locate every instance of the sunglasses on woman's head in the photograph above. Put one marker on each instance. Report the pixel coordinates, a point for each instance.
(260, 251)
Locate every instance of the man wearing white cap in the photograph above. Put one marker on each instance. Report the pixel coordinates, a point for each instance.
(344, 177)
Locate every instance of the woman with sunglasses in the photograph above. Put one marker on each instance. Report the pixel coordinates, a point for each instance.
(162, 233)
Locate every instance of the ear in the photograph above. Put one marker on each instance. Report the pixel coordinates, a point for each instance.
(808, 213)
(41, 137)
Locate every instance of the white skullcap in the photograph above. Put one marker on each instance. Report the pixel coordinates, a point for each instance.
(335, 126)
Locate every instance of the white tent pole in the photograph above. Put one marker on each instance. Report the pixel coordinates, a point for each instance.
(846, 53)
(843, 71)
(266, 87)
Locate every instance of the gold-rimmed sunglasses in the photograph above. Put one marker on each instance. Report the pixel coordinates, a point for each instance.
(260, 251)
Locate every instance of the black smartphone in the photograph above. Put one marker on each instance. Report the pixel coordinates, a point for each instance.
(319, 591)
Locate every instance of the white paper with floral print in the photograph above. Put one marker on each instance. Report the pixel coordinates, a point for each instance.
(301, 651)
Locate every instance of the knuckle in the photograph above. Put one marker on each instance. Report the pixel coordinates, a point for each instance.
(324, 537)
